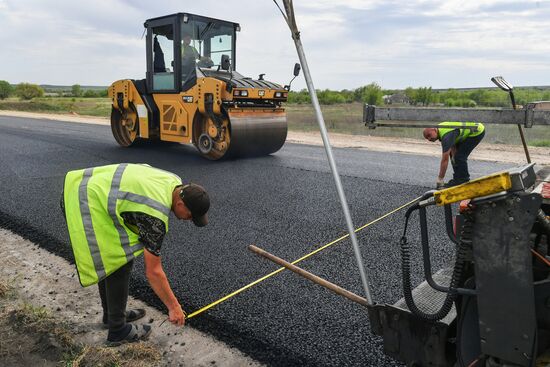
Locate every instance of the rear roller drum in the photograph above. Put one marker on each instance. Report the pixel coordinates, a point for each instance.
(125, 126)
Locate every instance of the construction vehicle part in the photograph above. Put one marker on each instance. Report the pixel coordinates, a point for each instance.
(124, 126)
(536, 113)
(449, 225)
(497, 280)
(410, 339)
(499, 303)
(512, 180)
(192, 93)
(256, 132)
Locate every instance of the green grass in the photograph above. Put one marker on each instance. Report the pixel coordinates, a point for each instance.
(339, 118)
(346, 119)
(540, 143)
(82, 106)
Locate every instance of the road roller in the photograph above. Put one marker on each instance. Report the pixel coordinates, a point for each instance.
(192, 93)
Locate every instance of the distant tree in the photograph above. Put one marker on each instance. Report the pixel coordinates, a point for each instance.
(424, 95)
(76, 90)
(299, 97)
(330, 97)
(5, 89)
(371, 94)
(480, 96)
(411, 93)
(89, 93)
(103, 93)
(28, 91)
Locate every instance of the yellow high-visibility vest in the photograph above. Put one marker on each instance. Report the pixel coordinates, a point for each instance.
(94, 200)
(463, 133)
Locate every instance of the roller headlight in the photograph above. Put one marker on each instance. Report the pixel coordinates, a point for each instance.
(244, 93)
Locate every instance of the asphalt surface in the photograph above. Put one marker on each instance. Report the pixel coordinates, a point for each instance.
(285, 203)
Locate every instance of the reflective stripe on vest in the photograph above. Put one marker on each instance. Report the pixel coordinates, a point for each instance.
(463, 133)
(96, 197)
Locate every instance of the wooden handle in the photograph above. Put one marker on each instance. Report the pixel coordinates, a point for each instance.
(314, 278)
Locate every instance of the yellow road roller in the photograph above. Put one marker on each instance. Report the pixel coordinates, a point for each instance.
(192, 93)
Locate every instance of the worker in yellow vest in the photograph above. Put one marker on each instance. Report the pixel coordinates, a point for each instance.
(114, 214)
(456, 144)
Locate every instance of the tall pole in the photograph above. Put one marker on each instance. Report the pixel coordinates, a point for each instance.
(291, 21)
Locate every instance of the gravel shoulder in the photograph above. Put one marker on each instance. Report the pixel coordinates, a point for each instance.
(503, 153)
(48, 284)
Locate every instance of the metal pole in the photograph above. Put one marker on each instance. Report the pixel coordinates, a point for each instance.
(523, 142)
(291, 21)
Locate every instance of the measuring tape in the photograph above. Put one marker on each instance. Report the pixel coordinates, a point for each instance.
(257, 281)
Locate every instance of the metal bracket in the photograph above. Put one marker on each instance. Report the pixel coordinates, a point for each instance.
(409, 116)
(529, 114)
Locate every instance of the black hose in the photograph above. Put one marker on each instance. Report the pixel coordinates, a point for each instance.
(455, 279)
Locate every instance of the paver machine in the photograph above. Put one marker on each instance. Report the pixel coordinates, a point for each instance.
(192, 93)
(491, 306)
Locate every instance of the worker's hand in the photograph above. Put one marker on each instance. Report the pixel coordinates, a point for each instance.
(176, 316)
(440, 183)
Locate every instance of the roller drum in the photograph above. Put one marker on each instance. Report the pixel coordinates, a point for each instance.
(256, 133)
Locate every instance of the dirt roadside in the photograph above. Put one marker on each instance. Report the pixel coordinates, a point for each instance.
(48, 319)
(485, 152)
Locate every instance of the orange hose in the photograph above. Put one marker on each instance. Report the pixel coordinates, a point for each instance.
(542, 258)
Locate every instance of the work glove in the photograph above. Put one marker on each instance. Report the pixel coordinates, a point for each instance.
(439, 184)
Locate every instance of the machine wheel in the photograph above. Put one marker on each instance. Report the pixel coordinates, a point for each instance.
(125, 126)
(210, 144)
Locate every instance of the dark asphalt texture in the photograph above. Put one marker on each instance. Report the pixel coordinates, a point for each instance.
(285, 203)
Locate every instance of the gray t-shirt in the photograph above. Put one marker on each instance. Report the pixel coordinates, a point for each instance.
(448, 140)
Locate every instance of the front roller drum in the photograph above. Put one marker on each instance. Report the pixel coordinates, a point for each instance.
(124, 126)
(243, 134)
(256, 133)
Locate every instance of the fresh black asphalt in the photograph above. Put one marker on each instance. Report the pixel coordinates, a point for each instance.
(285, 203)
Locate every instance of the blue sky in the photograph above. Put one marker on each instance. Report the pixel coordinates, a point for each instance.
(443, 44)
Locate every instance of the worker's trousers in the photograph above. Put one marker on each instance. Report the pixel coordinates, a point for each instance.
(113, 291)
(460, 161)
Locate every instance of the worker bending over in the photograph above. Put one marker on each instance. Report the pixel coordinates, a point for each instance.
(114, 214)
(456, 144)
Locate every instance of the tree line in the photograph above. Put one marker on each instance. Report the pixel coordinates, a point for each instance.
(28, 91)
(424, 96)
(372, 94)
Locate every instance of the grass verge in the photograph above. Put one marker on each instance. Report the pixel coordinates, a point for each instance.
(540, 143)
(83, 106)
(33, 335)
(5, 288)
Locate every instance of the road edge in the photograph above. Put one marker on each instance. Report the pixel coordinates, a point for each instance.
(49, 281)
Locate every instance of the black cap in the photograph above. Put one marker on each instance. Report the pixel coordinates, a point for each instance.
(196, 199)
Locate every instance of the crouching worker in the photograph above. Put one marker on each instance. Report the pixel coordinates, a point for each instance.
(114, 214)
(456, 144)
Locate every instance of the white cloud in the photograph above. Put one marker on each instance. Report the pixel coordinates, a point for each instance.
(451, 43)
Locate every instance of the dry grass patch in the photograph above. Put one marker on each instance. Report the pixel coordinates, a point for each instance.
(53, 335)
(34, 331)
(4, 289)
(130, 355)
